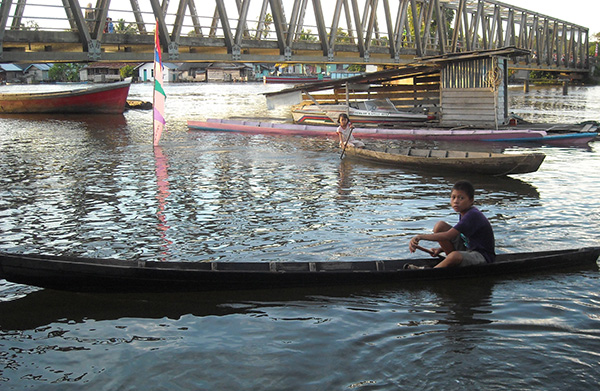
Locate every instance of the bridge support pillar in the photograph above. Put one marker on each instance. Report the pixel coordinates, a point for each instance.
(94, 50)
(565, 85)
(173, 51)
(236, 52)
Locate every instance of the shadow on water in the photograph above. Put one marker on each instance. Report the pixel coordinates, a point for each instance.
(462, 301)
(510, 187)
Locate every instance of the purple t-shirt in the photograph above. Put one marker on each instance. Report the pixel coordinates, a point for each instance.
(478, 233)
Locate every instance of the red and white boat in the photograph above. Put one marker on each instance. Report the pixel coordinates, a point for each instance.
(100, 99)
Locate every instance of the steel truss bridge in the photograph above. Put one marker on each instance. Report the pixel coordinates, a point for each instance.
(379, 32)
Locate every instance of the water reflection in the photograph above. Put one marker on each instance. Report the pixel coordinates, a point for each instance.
(162, 182)
(546, 104)
(345, 177)
(457, 302)
(511, 188)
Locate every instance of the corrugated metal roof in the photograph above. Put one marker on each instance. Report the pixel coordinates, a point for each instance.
(41, 67)
(108, 65)
(10, 68)
(374, 77)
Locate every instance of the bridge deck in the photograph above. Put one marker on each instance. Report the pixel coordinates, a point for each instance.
(341, 31)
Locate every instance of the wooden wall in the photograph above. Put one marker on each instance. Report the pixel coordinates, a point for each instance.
(469, 107)
(473, 93)
(420, 92)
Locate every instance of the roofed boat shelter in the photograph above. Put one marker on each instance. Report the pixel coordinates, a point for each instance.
(468, 89)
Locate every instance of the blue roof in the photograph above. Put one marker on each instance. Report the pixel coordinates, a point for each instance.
(41, 67)
(10, 68)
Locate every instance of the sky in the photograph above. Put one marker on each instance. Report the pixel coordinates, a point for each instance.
(585, 13)
(582, 12)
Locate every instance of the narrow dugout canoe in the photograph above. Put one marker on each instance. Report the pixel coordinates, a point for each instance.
(101, 99)
(470, 162)
(112, 275)
(295, 79)
(266, 127)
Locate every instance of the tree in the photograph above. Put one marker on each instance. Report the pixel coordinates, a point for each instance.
(357, 68)
(307, 36)
(126, 71)
(65, 72)
(266, 25)
(596, 42)
(342, 36)
(381, 41)
(121, 28)
(30, 25)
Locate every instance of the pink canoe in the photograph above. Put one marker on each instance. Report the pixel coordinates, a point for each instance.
(259, 127)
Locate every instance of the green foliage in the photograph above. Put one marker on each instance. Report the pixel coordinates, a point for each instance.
(126, 71)
(542, 75)
(267, 25)
(307, 36)
(357, 68)
(381, 41)
(65, 72)
(30, 25)
(592, 48)
(121, 28)
(342, 36)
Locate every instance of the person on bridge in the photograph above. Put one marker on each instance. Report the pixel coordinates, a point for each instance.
(109, 27)
(89, 16)
(344, 132)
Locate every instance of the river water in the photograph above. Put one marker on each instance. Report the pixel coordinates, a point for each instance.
(93, 186)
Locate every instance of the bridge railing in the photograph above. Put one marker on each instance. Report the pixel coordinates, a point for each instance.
(341, 31)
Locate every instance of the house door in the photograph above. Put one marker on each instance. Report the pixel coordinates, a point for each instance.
(145, 75)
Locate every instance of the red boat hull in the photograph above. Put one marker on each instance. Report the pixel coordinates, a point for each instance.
(105, 99)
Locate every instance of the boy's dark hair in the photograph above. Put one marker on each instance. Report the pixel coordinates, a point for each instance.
(343, 115)
(465, 186)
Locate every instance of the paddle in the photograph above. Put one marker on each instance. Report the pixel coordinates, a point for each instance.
(428, 251)
(346, 144)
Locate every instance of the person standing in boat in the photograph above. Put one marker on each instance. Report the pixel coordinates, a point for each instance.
(471, 241)
(344, 132)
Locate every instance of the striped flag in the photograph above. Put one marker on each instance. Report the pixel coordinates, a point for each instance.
(159, 92)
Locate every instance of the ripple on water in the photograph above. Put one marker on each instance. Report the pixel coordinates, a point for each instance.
(96, 188)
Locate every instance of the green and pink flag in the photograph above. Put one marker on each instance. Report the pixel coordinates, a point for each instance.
(159, 92)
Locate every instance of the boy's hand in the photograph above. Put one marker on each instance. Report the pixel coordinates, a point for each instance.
(414, 244)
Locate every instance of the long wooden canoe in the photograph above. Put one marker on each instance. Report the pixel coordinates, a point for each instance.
(101, 99)
(460, 161)
(266, 127)
(112, 275)
(295, 79)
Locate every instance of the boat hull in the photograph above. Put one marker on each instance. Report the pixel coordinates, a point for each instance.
(328, 114)
(111, 275)
(263, 127)
(294, 79)
(105, 99)
(485, 163)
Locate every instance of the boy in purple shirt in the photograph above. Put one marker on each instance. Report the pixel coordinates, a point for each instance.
(470, 241)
